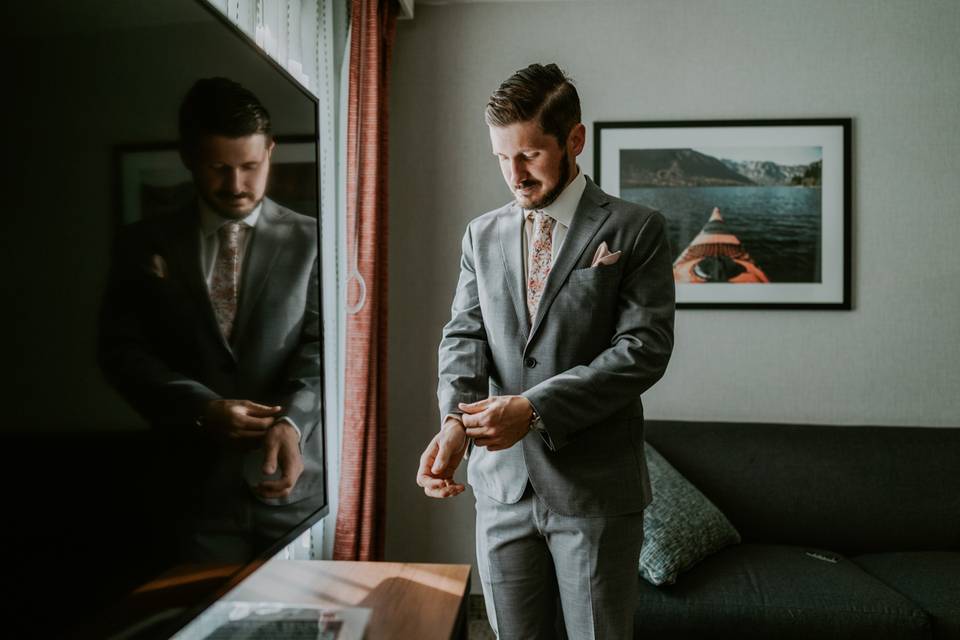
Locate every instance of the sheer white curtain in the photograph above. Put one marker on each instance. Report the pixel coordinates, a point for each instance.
(290, 31)
(308, 38)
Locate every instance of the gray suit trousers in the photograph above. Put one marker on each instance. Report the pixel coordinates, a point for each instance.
(529, 556)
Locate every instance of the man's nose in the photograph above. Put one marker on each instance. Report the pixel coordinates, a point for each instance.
(518, 172)
(234, 181)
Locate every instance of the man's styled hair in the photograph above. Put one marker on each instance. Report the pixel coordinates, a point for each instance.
(220, 106)
(541, 93)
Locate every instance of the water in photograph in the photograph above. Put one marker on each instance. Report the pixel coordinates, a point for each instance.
(779, 227)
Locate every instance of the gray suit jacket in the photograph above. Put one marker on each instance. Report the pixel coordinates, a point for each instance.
(602, 336)
(160, 345)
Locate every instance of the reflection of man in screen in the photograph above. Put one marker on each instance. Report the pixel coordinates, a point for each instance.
(210, 329)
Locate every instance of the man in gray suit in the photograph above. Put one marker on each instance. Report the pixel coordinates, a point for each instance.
(562, 318)
(210, 329)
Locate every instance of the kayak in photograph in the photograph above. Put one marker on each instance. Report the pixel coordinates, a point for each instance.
(716, 255)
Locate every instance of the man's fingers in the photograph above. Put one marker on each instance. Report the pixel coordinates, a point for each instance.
(429, 482)
(435, 457)
(280, 488)
(425, 474)
(474, 420)
(242, 433)
(449, 491)
(250, 423)
(446, 461)
(440, 462)
(474, 407)
(280, 454)
(270, 457)
(478, 432)
(291, 469)
(261, 410)
(443, 489)
(428, 456)
(439, 487)
(424, 471)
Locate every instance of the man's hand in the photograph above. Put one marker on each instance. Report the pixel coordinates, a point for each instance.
(498, 422)
(282, 447)
(440, 459)
(238, 420)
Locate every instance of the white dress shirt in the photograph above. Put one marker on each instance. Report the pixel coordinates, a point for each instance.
(562, 210)
(210, 223)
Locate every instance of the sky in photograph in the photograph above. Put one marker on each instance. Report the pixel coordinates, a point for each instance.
(780, 155)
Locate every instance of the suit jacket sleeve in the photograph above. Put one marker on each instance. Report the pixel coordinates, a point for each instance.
(464, 354)
(300, 388)
(131, 362)
(586, 396)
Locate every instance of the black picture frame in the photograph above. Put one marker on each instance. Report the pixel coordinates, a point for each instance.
(758, 211)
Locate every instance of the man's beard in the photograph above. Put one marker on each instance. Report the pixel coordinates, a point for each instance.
(231, 214)
(554, 193)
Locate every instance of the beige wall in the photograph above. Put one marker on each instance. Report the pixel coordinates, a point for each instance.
(891, 66)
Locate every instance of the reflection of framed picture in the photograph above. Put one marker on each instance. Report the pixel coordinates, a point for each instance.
(152, 180)
(758, 212)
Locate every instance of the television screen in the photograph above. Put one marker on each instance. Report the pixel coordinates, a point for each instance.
(162, 360)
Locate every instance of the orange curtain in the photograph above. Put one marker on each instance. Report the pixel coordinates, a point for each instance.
(363, 467)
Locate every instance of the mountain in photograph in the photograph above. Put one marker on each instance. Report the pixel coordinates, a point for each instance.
(810, 177)
(765, 172)
(676, 168)
(771, 174)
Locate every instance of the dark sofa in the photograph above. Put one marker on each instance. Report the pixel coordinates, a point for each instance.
(848, 532)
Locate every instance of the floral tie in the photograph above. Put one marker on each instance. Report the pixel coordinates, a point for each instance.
(225, 284)
(540, 260)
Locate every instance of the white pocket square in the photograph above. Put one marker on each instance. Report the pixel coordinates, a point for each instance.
(603, 256)
(158, 266)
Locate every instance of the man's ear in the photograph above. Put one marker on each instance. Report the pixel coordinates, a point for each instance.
(273, 143)
(577, 139)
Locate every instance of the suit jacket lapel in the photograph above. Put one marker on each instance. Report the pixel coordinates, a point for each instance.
(509, 228)
(261, 254)
(586, 222)
(182, 247)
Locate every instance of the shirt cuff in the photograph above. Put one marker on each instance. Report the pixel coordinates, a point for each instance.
(466, 452)
(443, 420)
(293, 424)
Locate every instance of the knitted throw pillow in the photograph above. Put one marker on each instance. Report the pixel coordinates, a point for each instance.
(681, 526)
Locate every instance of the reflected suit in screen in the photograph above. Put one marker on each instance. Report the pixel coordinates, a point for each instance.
(162, 349)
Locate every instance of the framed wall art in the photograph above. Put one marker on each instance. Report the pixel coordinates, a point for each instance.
(758, 211)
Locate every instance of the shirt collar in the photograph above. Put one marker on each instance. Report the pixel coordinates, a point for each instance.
(563, 208)
(211, 221)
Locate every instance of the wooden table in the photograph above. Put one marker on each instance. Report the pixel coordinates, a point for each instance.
(421, 601)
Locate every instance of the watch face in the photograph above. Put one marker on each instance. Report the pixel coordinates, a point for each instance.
(535, 422)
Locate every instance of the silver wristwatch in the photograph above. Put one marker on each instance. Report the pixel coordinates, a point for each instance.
(536, 423)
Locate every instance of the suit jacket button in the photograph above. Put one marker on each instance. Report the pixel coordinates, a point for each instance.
(530, 362)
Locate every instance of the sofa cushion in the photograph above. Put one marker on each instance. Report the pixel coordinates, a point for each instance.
(681, 526)
(929, 578)
(771, 591)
